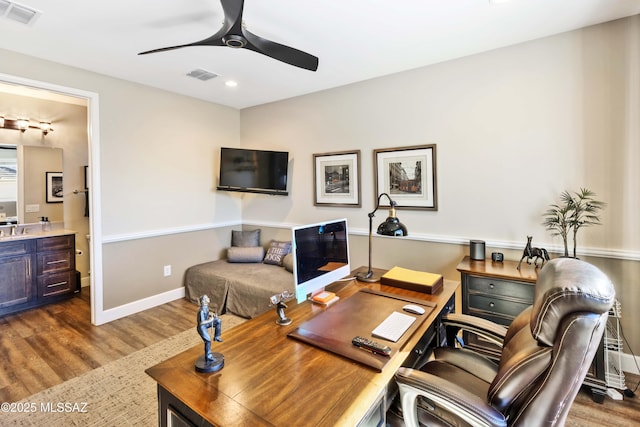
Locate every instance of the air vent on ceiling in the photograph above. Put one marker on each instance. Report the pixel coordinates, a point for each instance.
(18, 12)
(201, 74)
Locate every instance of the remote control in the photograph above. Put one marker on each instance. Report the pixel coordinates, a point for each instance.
(372, 346)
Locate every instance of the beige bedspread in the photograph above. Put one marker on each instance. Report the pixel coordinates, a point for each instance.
(239, 288)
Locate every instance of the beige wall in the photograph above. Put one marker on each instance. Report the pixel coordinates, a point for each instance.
(514, 127)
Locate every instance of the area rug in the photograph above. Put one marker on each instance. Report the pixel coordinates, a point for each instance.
(119, 393)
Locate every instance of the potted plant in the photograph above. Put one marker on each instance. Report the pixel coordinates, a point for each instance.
(584, 212)
(556, 219)
(577, 210)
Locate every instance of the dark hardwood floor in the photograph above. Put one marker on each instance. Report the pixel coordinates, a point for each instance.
(46, 346)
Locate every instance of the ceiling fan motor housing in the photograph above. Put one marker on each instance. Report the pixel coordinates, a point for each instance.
(234, 40)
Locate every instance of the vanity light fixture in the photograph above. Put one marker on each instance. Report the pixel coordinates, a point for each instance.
(23, 124)
(45, 127)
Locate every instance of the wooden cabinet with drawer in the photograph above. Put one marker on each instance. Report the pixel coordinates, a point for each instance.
(35, 271)
(55, 266)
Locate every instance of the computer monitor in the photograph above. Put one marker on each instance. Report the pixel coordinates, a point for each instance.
(320, 256)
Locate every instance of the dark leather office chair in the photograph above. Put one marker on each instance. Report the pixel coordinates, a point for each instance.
(546, 353)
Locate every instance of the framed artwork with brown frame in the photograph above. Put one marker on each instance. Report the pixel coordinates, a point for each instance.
(337, 179)
(54, 187)
(408, 175)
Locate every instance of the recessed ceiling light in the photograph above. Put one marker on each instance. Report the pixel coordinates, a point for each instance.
(499, 1)
(231, 83)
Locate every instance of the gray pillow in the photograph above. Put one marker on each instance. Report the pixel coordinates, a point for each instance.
(277, 251)
(245, 239)
(245, 254)
(287, 262)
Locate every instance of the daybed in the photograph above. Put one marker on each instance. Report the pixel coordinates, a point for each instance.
(243, 283)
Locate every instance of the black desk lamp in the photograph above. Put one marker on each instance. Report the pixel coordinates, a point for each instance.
(390, 227)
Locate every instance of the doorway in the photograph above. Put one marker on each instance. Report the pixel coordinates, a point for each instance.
(51, 91)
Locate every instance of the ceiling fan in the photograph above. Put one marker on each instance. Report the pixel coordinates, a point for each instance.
(234, 34)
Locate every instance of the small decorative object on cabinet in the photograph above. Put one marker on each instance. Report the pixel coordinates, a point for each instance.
(499, 291)
(531, 252)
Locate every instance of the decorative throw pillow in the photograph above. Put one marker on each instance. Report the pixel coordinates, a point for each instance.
(287, 262)
(277, 251)
(244, 239)
(245, 254)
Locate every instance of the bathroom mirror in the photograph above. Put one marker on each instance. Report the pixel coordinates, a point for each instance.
(30, 184)
(8, 183)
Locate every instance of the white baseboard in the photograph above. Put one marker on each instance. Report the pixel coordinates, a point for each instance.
(141, 305)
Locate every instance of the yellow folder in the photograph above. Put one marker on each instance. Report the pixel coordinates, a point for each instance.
(420, 281)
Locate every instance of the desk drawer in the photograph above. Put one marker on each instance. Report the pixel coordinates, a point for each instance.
(491, 286)
(56, 284)
(492, 305)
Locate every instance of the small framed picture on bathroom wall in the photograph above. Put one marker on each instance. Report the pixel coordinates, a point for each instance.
(54, 187)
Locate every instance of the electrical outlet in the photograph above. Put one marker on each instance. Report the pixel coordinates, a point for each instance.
(32, 208)
(167, 270)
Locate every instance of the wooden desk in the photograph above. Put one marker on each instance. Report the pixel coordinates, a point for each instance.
(270, 379)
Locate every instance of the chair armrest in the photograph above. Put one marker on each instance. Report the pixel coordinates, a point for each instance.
(485, 328)
(446, 396)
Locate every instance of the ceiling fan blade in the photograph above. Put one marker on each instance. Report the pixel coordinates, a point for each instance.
(232, 20)
(280, 52)
(214, 40)
(233, 10)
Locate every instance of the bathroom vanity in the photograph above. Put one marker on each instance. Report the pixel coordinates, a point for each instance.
(36, 269)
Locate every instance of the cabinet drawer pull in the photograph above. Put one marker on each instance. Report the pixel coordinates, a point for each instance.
(55, 285)
(491, 304)
(491, 286)
(56, 262)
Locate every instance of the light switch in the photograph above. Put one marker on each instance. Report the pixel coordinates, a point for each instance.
(32, 208)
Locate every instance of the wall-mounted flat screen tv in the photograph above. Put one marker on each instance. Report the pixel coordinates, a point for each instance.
(253, 171)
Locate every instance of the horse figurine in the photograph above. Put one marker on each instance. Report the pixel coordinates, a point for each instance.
(530, 252)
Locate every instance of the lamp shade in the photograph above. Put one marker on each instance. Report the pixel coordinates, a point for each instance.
(392, 227)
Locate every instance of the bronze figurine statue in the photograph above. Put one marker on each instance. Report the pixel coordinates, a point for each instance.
(209, 362)
(278, 301)
(531, 252)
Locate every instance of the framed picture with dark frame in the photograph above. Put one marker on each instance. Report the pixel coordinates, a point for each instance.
(408, 175)
(54, 187)
(337, 179)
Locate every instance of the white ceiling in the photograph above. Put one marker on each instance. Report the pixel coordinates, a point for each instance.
(355, 40)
